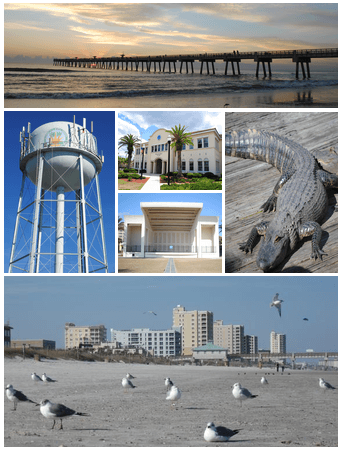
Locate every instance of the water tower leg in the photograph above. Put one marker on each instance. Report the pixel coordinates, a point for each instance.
(40, 230)
(36, 214)
(101, 223)
(14, 243)
(84, 220)
(59, 229)
(79, 231)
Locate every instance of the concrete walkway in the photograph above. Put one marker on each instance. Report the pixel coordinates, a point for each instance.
(170, 268)
(153, 184)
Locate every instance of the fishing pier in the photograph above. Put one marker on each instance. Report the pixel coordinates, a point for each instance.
(168, 63)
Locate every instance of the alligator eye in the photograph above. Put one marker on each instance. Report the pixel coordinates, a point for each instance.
(277, 239)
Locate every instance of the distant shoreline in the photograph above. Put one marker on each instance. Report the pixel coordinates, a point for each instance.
(19, 69)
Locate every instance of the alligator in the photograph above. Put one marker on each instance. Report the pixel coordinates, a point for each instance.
(299, 198)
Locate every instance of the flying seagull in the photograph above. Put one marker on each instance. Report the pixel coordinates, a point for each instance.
(306, 319)
(16, 396)
(277, 303)
(57, 411)
(151, 312)
(218, 434)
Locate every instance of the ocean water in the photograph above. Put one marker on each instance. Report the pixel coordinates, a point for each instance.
(93, 86)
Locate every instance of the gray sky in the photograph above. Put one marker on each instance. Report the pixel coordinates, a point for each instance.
(39, 306)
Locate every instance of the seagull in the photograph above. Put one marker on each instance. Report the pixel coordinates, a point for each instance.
(127, 384)
(241, 393)
(325, 385)
(218, 434)
(129, 376)
(151, 312)
(174, 395)
(35, 377)
(306, 319)
(264, 381)
(47, 379)
(57, 411)
(277, 303)
(168, 383)
(16, 396)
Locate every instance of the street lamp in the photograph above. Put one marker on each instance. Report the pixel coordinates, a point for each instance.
(142, 163)
(169, 139)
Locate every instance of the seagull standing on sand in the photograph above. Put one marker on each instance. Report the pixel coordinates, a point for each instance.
(174, 395)
(57, 411)
(218, 434)
(325, 385)
(277, 303)
(47, 379)
(241, 393)
(16, 396)
(35, 377)
(168, 383)
(127, 384)
(129, 376)
(263, 380)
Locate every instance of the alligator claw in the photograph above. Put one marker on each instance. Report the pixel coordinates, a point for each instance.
(317, 253)
(245, 247)
(270, 205)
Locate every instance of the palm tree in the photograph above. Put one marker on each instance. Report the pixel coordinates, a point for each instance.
(179, 138)
(129, 140)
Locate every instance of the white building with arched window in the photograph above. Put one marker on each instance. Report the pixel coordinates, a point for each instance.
(205, 155)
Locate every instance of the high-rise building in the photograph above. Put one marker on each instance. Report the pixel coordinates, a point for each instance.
(155, 342)
(76, 337)
(277, 342)
(230, 337)
(251, 344)
(196, 326)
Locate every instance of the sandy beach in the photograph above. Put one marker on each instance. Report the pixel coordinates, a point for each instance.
(320, 97)
(291, 411)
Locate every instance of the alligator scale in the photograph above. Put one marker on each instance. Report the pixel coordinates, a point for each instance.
(299, 197)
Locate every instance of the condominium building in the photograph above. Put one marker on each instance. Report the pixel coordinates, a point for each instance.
(203, 155)
(277, 342)
(251, 344)
(230, 337)
(196, 326)
(155, 342)
(78, 336)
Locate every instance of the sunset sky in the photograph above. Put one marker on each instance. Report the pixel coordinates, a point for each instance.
(82, 29)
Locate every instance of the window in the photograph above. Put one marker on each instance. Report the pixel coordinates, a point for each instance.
(191, 146)
(206, 165)
(152, 149)
(183, 166)
(200, 167)
(199, 143)
(205, 142)
(146, 150)
(162, 147)
(183, 147)
(191, 165)
(217, 166)
(159, 148)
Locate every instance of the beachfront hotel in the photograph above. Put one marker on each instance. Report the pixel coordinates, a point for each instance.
(230, 337)
(204, 155)
(277, 342)
(78, 336)
(171, 229)
(155, 342)
(196, 326)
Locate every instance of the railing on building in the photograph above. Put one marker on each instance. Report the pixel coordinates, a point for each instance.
(133, 248)
(208, 249)
(171, 248)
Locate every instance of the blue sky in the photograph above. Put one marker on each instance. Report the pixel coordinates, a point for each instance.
(130, 203)
(108, 29)
(38, 307)
(144, 123)
(104, 131)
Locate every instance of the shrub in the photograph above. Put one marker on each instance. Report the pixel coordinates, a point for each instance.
(131, 170)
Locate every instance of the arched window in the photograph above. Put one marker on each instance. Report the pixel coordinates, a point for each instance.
(183, 165)
(191, 165)
(199, 165)
(206, 165)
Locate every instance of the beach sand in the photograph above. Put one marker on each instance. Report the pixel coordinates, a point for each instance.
(322, 97)
(291, 411)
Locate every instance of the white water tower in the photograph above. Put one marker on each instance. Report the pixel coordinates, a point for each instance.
(59, 223)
